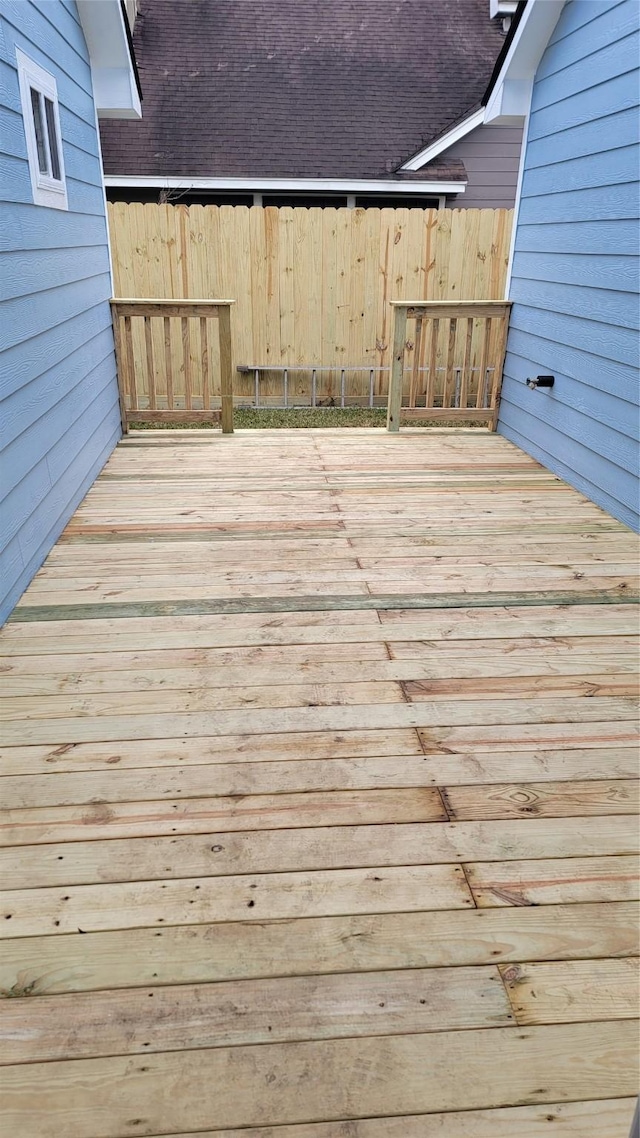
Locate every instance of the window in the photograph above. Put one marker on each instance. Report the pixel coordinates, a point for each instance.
(39, 96)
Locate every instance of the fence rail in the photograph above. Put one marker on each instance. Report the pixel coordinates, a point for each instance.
(471, 338)
(150, 334)
(312, 286)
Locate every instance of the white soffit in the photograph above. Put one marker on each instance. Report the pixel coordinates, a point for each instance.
(114, 81)
(510, 98)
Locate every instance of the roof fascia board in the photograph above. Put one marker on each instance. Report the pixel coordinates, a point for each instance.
(510, 96)
(321, 185)
(115, 86)
(446, 140)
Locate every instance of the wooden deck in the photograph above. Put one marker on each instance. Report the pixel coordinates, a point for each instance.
(318, 775)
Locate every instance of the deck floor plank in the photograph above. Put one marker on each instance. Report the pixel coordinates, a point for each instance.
(318, 781)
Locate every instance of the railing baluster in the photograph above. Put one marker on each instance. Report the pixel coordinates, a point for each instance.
(433, 359)
(447, 390)
(151, 379)
(168, 365)
(484, 359)
(415, 368)
(130, 384)
(186, 361)
(466, 369)
(204, 353)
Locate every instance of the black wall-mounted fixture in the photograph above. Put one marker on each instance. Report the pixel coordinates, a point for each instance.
(541, 381)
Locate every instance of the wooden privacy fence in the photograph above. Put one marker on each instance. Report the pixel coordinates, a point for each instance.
(470, 337)
(150, 336)
(312, 286)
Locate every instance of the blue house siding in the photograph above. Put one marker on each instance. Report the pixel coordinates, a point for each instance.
(59, 409)
(575, 278)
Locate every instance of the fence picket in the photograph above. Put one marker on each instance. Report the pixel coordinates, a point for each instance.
(312, 290)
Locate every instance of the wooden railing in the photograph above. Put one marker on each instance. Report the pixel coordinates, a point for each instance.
(457, 353)
(150, 336)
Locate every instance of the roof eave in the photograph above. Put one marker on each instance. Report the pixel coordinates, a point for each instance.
(314, 185)
(115, 81)
(446, 140)
(507, 98)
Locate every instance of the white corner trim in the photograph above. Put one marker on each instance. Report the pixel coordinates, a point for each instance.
(516, 205)
(471, 122)
(114, 83)
(301, 185)
(511, 96)
(46, 189)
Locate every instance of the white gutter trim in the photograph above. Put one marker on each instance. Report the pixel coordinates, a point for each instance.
(511, 96)
(471, 122)
(258, 185)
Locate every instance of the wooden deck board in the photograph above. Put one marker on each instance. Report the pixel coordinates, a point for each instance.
(319, 806)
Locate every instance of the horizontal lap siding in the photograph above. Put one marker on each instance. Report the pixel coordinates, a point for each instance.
(491, 156)
(58, 389)
(575, 268)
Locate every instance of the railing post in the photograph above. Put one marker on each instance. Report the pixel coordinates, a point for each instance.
(497, 375)
(120, 365)
(397, 367)
(226, 373)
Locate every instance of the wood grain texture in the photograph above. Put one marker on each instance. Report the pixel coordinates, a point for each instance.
(231, 1014)
(280, 268)
(600, 1118)
(555, 881)
(245, 1086)
(221, 854)
(301, 729)
(31, 912)
(228, 813)
(205, 953)
(572, 992)
(545, 799)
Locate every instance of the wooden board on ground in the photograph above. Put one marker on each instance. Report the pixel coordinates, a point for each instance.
(198, 954)
(247, 1086)
(318, 764)
(253, 1011)
(571, 992)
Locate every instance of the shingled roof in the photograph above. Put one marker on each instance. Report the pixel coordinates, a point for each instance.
(300, 88)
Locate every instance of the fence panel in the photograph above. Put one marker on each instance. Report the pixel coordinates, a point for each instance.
(312, 286)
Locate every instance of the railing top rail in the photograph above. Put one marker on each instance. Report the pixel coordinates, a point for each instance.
(187, 301)
(451, 303)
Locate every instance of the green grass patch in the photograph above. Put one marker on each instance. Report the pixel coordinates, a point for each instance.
(300, 418)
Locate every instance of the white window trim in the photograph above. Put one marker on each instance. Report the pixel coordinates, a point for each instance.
(46, 190)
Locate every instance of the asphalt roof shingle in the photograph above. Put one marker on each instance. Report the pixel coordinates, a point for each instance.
(300, 88)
